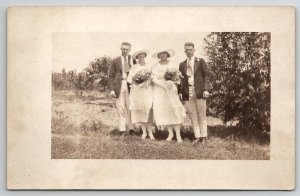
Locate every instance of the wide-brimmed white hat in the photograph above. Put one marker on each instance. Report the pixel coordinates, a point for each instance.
(169, 51)
(135, 55)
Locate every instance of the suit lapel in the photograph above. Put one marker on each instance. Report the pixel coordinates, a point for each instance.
(119, 64)
(196, 65)
(129, 61)
(184, 66)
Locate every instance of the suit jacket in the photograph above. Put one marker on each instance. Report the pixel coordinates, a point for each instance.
(201, 79)
(115, 75)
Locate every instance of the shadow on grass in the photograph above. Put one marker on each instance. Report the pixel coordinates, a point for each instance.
(159, 134)
(101, 104)
(239, 133)
(71, 96)
(220, 131)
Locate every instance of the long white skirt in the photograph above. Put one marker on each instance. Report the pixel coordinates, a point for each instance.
(141, 100)
(167, 108)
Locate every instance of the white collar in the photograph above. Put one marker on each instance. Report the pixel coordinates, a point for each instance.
(192, 58)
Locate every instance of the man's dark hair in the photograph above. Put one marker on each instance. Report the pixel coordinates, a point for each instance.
(126, 44)
(189, 44)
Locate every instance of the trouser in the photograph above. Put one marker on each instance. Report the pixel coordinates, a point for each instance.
(122, 106)
(196, 110)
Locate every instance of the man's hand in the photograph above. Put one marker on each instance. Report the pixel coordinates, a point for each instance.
(180, 96)
(112, 94)
(206, 94)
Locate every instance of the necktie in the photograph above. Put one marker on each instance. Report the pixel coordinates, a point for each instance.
(189, 73)
(189, 70)
(126, 66)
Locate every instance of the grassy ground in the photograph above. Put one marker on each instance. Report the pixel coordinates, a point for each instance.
(84, 127)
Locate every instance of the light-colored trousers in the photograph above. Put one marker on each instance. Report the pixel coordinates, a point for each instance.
(196, 110)
(122, 106)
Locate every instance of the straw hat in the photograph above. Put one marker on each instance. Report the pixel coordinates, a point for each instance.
(136, 54)
(169, 51)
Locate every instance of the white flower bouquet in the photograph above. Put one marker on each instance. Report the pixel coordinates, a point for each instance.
(142, 75)
(173, 74)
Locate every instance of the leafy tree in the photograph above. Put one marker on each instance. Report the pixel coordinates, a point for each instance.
(240, 67)
(98, 71)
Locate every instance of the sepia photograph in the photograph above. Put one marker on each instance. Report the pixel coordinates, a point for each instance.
(166, 96)
(151, 98)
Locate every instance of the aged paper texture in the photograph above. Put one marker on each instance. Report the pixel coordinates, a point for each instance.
(38, 39)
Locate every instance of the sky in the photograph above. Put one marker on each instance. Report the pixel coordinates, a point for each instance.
(76, 50)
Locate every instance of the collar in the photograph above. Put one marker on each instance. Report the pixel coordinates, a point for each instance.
(192, 58)
(126, 57)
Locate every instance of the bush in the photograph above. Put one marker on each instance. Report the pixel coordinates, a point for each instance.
(60, 80)
(81, 81)
(240, 76)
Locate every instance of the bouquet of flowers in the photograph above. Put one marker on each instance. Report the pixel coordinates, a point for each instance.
(142, 75)
(173, 74)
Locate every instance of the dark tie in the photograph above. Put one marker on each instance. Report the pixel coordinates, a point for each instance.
(126, 66)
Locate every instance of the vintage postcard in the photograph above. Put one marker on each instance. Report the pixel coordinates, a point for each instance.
(151, 98)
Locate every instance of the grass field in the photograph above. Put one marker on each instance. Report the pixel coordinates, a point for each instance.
(84, 127)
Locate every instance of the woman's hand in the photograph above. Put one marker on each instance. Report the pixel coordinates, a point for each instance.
(166, 85)
(180, 96)
(153, 80)
(169, 85)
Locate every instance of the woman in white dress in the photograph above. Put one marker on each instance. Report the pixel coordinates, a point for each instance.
(167, 108)
(141, 96)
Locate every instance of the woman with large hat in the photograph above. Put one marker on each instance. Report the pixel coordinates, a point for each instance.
(141, 93)
(167, 108)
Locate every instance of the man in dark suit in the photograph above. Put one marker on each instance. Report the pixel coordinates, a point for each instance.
(119, 89)
(194, 89)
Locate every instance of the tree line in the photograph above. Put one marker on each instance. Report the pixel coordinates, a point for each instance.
(93, 77)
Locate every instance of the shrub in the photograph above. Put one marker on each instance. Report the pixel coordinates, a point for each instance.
(81, 81)
(240, 76)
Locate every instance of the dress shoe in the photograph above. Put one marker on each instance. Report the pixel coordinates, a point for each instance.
(197, 140)
(144, 136)
(152, 137)
(169, 138)
(123, 133)
(131, 132)
(204, 140)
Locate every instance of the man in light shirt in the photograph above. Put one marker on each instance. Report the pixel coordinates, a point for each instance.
(119, 87)
(194, 89)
